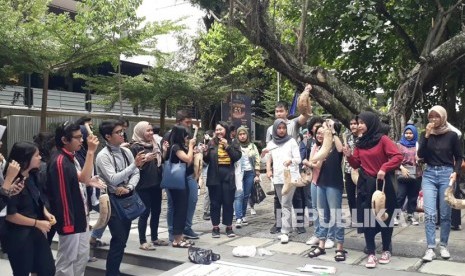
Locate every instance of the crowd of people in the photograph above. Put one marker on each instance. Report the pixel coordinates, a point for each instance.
(51, 185)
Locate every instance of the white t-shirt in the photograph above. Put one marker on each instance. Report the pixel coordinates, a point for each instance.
(282, 153)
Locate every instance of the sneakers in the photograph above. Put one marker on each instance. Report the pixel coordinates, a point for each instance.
(300, 230)
(239, 223)
(216, 232)
(329, 244)
(284, 238)
(229, 232)
(371, 261)
(206, 216)
(414, 221)
(385, 257)
(190, 234)
(396, 222)
(244, 221)
(444, 252)
(253, 212)
(429, 255)
(313, 241)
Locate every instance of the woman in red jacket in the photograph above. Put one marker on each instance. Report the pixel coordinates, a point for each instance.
(377, 157)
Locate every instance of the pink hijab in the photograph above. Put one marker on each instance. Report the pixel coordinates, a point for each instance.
(443, 125)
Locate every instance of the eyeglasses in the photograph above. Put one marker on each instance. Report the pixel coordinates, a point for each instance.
(79, 137)
(119, 132)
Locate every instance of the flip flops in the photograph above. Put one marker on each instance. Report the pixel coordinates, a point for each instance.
(147, 247)
(182, 244)
(160, 243)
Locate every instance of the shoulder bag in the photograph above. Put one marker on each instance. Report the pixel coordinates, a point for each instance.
(174, 175)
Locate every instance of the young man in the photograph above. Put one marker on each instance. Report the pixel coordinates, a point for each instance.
(184, 119)
(120, 170)
(281, 111)
(68, 198)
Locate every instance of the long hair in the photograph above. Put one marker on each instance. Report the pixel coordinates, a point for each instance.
(21, 152)
(177, 136)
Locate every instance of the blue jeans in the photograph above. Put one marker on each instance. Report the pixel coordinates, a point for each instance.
(330, 212)
(97, 233)
(434, 184)
(242, 197)
(191, 203)
(314, 210)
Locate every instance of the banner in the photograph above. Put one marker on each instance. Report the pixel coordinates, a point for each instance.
(237, 110)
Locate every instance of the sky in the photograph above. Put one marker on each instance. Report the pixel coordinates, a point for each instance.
(158, 10)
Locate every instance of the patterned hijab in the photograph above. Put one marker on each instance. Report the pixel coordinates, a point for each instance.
(138, 137)
(374, 132)
(443, 125)
(409, 143)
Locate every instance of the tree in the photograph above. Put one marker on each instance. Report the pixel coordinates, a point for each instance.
(388, 45)
(37, 40)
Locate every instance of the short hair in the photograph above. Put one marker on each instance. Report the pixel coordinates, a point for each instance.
(181, 115)
(123, 120)
(225, 125)
(65, 130)
(156, 129)
(107, 127)
(314, 120)
(84, 119)
(232, 128)
(282, 104)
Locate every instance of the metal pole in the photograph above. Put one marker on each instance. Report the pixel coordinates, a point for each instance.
(119, 90)
(279, 80)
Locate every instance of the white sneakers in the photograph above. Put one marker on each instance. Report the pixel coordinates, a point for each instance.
(414, 221)
(429, 255)
(244, 221)
(284, 238)
(329, 244)
(252, 211)
(239, 223)
(444, 252)
(313, 241)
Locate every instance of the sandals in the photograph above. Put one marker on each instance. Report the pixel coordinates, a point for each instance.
(340, 255)
(160, 243)
(147, 247)
(317, 251)
(182, 244)
(188, 241)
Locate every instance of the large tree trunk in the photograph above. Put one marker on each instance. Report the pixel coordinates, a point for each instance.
(43, 111)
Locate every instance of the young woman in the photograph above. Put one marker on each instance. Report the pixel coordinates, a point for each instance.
(250, 172)
(220, 155)
(378, 157)
(284, 152)
(148, 187)
(408, 182)
(28, 220)
(350, 186)
(177, 152)
(440, 149)
(329, 196)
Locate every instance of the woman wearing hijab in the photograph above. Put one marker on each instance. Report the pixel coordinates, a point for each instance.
(148, 187)
(220, 155)
(408, 183)
(378, 157)
(440, 149)
(250, 172)
(284, 152)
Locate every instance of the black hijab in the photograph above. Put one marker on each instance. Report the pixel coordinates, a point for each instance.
(374, 132)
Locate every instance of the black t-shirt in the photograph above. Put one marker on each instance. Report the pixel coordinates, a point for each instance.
(441, 150)
(331, 171)
(174, 159)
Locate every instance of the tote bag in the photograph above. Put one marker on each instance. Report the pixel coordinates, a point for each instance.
(174, 175)
(128, 207)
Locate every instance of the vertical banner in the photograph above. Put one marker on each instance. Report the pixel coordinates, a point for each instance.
(237, 110)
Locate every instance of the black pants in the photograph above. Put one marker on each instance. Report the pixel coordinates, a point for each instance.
(32, 255)
(152, 200)
(298, 202)
(180, 199)
(119, 230)
(408, 188)
(386, 238)
(351, 190)
(222, 196)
